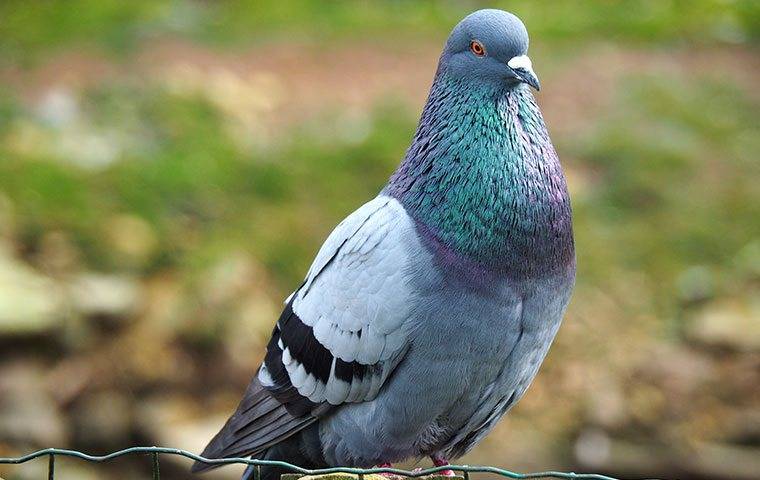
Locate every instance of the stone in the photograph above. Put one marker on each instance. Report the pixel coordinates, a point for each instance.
(731, 324)
(113, 296)
(28, 413)
(178, 421)
(30, 303)
(103, 418)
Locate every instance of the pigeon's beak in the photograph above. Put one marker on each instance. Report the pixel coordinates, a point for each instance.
(523, 69)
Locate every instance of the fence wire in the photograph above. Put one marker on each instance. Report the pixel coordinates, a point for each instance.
(155, 452)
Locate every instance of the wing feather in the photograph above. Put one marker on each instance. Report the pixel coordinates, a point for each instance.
(352, 311)
(339, 337)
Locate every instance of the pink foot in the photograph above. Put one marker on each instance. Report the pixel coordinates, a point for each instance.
(439, 461)
(386, 475)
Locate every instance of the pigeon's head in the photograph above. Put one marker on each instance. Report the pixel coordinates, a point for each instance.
(489, 47)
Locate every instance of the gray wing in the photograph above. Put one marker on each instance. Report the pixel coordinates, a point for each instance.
(344, 331)
(339, 337)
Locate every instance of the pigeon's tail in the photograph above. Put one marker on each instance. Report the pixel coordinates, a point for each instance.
(259, 423)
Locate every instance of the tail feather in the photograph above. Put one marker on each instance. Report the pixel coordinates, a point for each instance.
(253, 444)
(259, 422)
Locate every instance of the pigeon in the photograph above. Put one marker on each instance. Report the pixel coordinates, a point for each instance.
(428, 311)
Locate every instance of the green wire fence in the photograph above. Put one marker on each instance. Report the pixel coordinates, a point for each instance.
(155, 452)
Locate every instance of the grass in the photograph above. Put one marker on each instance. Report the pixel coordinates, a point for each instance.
(29, 30)
(672, 185)
(183, 174)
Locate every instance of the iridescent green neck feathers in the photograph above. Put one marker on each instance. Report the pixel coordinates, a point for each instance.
(481, 177)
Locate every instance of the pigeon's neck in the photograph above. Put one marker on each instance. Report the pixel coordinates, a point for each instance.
(483, 181)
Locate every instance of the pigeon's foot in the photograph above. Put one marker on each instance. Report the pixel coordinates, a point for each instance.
(387, 475)
(440, 461)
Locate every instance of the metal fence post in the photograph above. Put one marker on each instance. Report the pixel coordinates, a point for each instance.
(156, 469)
(51, 467)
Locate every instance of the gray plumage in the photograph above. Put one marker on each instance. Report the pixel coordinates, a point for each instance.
(428, 311)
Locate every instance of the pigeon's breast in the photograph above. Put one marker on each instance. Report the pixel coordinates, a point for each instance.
(513, 254)
(476, 340)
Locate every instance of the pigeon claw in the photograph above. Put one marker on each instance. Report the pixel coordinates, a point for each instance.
(391, 476)
(440, 461)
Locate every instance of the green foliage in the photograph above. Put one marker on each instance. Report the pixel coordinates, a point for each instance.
(674, 183)
(28, 29)
(183, 173)
(672, 171)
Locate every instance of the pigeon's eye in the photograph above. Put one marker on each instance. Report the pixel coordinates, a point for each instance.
(477, 48)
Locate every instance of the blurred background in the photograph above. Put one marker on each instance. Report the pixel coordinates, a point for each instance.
(168, 169)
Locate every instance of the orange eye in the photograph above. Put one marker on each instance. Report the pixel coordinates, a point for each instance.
(477, 48)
